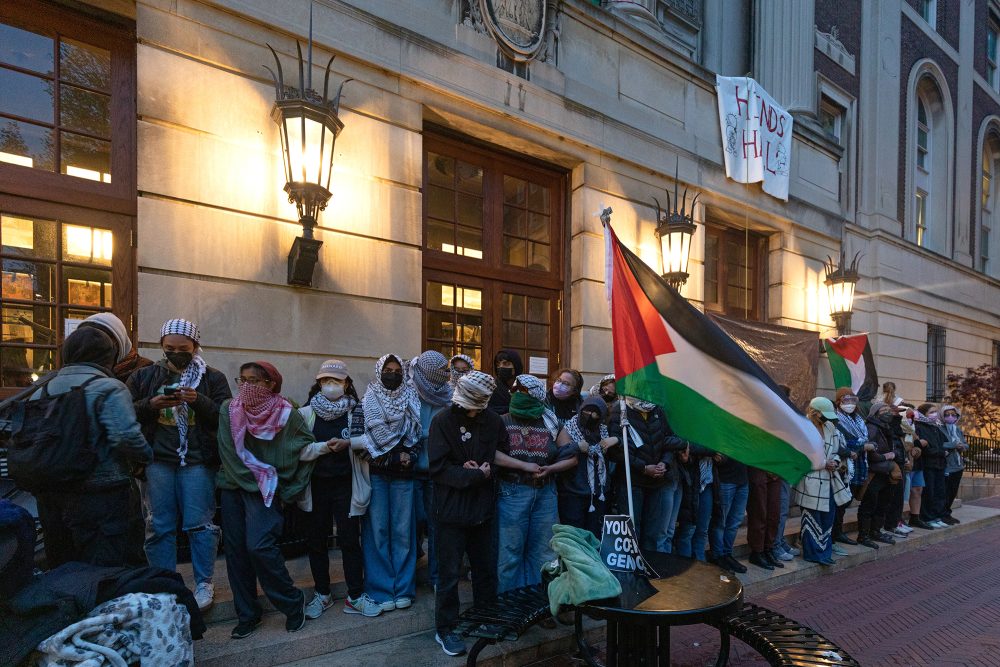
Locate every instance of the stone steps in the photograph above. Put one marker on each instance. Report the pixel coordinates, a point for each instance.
(406, 637)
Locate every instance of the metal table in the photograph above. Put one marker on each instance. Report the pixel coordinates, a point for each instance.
(688, 592)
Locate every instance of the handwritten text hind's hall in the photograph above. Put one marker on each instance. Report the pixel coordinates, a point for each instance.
(768, 117)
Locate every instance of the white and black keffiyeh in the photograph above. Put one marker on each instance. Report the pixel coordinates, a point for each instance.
(190, 377)
(473, 390)
(391, 417)
(429, 373)
(181, 327)
(328, 410)
(454, 374)
(594, 453)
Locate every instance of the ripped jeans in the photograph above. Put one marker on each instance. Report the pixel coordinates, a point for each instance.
(171, 492)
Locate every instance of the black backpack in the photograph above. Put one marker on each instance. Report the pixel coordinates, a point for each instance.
(50, 448)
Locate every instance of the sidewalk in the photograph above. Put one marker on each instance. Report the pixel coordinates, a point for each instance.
(937, 605)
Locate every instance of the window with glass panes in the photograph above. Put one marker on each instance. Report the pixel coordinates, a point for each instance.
(492, 254)
(935, 362)
(992, 59)
(67, 179)
(734, 272)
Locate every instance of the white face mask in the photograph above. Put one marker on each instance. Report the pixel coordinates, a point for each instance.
(848, 408)
(333, 391)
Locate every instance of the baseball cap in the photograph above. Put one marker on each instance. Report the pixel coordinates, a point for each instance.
(824, 406)
(332, 368)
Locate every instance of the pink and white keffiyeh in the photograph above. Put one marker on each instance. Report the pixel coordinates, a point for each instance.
(263, 413)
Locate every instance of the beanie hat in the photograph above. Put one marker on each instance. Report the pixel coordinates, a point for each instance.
(114, 327)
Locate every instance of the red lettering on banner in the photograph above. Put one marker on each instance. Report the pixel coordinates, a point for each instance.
(754, 143)
(742, 104)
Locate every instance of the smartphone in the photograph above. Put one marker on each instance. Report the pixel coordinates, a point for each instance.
(170, 390)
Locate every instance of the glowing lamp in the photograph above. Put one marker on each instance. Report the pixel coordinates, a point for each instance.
(840, 283)
(675, 229)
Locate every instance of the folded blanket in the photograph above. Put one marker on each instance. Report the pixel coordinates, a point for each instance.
(584, 576)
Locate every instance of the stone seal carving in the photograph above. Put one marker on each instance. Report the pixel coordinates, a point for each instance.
(519, 26)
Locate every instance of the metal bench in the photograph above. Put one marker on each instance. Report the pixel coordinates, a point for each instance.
(505, 619)
(782, 641)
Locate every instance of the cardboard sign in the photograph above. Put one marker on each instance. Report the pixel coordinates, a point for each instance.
(620, 547)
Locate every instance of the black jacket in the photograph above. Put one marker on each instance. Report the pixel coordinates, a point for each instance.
(462, 496)
(659, 444)
(690, 477)
(202, 442)
(934, 454)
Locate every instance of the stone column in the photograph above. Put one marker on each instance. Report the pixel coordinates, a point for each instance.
(784, 39)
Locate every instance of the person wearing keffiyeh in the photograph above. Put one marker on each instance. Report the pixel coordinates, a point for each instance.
(261, 438)
(388, 530)
(582, 491)
(177, 402)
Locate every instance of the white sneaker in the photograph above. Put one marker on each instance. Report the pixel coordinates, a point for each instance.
(318, 605)
(204, 595)
(938, 523)
(903, 527)
(404, 603)
(388, 605)
(363, 605)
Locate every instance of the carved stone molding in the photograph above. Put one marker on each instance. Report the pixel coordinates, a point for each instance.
(829, 44)
(524, 30)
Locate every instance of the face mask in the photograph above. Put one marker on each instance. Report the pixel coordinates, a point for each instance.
(609, 397)
(391, 381)
(505, 374)
(848, 408)
(950, 419)
(179, 360)
(587, 420)
(932, 415)
(332, 391)
(253, 395)
(561, 390)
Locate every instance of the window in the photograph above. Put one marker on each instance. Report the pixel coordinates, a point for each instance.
(734, 273)
(67, 180)
(920, 205)
(831, 118)
(492, 254)
(996, 353)
(988, 224)
(923, 136)
(935, 362)
(929, 179)
(992, 74)
(928, 11)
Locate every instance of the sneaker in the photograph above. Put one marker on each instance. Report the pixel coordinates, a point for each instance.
(388, 605)
(363, 605)
(950, 520)
(318, 605)
(297, 620)
(920, 523)
(404, 603)
(903, 527)
(451, 644)
(204, 595)
(792, 550)
(884, 538)
(781, 554)
(839, 551)
(900, 533)
(245, 629)
(938, 523)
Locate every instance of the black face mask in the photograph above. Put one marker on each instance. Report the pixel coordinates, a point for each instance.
(587, 421)
(505, 374)
(179, 360)
(391, 381)
(609, 397)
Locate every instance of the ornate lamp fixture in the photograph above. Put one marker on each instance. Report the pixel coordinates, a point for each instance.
(840, 283)
(308, 124)
(675, 228)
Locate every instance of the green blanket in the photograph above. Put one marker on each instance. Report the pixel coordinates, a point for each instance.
(583, 576)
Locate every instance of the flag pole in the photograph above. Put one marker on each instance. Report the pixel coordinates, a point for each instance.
(628, 467)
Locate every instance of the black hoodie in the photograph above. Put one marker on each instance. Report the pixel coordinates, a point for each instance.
(500, 400)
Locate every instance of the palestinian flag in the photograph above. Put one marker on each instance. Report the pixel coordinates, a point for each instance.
(853, 364)
(715, 395)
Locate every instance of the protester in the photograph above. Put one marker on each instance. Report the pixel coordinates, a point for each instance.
(656, 487)
(883, 471)
(916, 486)
(781, 549)
(732, 488)
(88, 521)
(527, 505)
(583, 490)
(954, 464)
(696, 502)
(935, 457)
(459, 365)
(855, 431)
(261, 438)
(564, 395)
(388, 531)
(335, 417)
(889, 396)
(893, 523)
(913, 451)
(429, 375)
(507, 365)
(606, 390)
(463, 443)
(763, 515)
(177, 401)
(820, 492)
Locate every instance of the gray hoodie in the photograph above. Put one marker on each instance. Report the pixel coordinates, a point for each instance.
(956, 443)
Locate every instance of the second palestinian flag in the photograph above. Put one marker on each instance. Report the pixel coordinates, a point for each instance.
(853, 364)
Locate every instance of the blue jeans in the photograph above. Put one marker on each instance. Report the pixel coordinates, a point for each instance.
(692, 537)
(780, 541)
(389, 540)
(655, 515)
(525, 517)
(187, 492)
(732, 507)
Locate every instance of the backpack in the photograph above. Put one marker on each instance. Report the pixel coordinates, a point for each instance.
(50, 448)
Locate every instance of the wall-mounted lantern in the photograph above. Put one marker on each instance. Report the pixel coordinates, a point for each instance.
(675, 228)
(840, 283)
(308, 124)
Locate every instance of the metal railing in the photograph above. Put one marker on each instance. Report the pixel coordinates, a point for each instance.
(983, 456)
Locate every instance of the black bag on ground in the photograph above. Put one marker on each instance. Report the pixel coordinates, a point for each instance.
(50, 448)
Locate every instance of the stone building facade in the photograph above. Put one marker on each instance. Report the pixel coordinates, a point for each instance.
(481, 141)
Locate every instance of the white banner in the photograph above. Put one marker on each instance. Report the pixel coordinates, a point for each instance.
(756, 135)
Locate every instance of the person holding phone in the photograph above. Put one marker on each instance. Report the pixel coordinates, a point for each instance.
(177, 403)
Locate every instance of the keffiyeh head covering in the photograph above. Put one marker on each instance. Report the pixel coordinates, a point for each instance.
(191, 377)
(392, 417)
(473, 390)
(536, 389)
(263, 412)
(596, 389)
(639, 404)
(455, 375)
(429, 374)
(595, 453)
